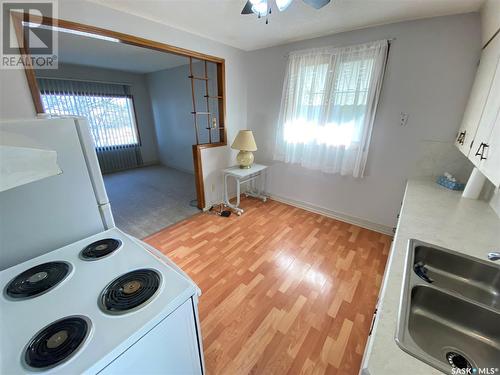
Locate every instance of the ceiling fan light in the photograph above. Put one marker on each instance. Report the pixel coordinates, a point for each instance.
(283, 4)
(259, 7)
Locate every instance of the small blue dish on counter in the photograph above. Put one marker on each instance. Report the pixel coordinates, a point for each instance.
(452, 185)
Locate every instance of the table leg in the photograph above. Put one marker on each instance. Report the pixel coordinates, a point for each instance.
(236, 208)
(263, 186)
(238, 192)
(226, 199)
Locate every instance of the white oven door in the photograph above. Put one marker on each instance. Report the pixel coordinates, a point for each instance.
(171, 347)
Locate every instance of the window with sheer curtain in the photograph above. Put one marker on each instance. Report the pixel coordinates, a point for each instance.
(328, 106)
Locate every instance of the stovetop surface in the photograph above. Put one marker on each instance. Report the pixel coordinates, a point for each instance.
(78, 295)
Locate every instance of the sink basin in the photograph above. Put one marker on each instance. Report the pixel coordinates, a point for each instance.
(441, 324)
(472, 278)
(449, 314)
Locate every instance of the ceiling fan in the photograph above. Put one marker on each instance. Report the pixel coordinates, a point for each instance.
(263, 7)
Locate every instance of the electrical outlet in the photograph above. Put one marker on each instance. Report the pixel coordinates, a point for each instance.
(403, 119)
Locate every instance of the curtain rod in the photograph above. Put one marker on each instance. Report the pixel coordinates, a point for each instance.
(86, 80)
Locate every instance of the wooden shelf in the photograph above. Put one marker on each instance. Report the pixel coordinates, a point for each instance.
(214, 128)
(201, 113)
(213, 97)
(200, 78)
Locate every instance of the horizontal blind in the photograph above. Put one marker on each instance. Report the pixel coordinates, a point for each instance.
(109, 110)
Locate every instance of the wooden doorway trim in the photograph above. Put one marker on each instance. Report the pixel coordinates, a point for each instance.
(18, 19)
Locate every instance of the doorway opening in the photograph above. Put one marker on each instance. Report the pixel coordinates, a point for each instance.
(151, 109)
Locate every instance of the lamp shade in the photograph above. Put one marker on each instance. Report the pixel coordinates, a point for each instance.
(244, 141)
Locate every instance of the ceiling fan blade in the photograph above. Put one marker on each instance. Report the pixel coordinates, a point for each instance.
(247, 9)
(316, 3)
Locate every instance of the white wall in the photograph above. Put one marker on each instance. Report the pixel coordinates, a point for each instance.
(16, 101)
(171, 99)
(138, 89)
(430, 71)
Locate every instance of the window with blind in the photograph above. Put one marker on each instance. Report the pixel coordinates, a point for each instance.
(112, 117)
(109, 109)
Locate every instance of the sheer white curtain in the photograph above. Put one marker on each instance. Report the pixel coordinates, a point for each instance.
(328, 106)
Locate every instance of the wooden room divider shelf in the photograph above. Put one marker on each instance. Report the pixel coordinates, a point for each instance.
(219, 97)
(199, 78)
(207, 96)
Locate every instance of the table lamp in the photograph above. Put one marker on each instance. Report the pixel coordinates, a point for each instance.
(244, 142)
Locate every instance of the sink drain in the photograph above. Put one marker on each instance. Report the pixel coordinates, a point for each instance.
(457, 360)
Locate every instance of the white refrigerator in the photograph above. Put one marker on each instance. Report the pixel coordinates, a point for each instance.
(50, 213)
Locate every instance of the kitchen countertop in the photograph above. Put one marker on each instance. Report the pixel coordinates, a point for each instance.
(439, 216)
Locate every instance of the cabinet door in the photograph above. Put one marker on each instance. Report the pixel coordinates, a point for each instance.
(491, 165)
(478, 97)
(482, 145)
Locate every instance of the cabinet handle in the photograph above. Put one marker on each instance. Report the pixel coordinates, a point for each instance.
(480, 151)
(461, 137)
(485, 146)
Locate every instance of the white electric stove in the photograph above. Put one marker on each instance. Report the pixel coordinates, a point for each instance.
(111, 307)
(79, 296)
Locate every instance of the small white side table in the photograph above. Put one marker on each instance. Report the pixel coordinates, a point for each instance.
(256, 171)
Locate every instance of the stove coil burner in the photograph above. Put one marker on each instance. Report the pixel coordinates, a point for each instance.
(56, 342)
(37, 280)
(100, 249)
(129, 291)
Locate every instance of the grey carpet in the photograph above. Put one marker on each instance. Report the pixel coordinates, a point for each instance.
(146, 200)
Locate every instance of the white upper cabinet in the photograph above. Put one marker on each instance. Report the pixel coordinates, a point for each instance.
(479, 134)
(490, 19)
(481, 143)
(490, 165)
(478, 97)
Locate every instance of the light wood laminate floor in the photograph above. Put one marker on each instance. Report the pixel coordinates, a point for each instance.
(284, 290)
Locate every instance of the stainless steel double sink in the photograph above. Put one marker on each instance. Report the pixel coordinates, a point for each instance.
(449, 315)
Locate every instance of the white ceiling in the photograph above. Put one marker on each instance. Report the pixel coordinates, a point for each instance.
(221, 20)
(113, 55)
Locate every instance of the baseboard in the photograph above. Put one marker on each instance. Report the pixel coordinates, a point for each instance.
(143, 165)
(335, 215)
(178, 168)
